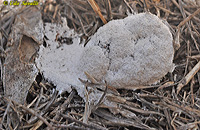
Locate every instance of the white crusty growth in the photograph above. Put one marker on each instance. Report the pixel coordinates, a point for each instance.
(137, 50)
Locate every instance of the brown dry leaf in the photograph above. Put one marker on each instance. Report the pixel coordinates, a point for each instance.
(27, 49)
(19, 70)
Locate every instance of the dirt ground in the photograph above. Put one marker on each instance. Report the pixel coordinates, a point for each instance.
(171, 104)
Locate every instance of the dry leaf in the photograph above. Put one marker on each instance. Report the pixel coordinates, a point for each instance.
(19, 70)
(27, 49)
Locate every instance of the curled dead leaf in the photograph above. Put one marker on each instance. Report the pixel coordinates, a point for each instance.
(27, 49)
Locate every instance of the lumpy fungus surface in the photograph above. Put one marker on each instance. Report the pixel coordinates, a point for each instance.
(136, 50)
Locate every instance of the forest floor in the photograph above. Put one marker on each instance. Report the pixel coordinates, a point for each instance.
(171, 104)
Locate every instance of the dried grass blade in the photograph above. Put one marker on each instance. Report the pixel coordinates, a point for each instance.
(108, 10)
(92, 79)
(97, 10)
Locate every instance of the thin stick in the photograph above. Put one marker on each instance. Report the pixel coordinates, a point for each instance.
(80, 122)
(145, 6)
(188, 24)
(188, 77)
(101, 99)
(36, 114)
(132, 11)
(188, 18)
(192, 90)
(33, 113)
(108, 10)
(88, 106)
(80, 20)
